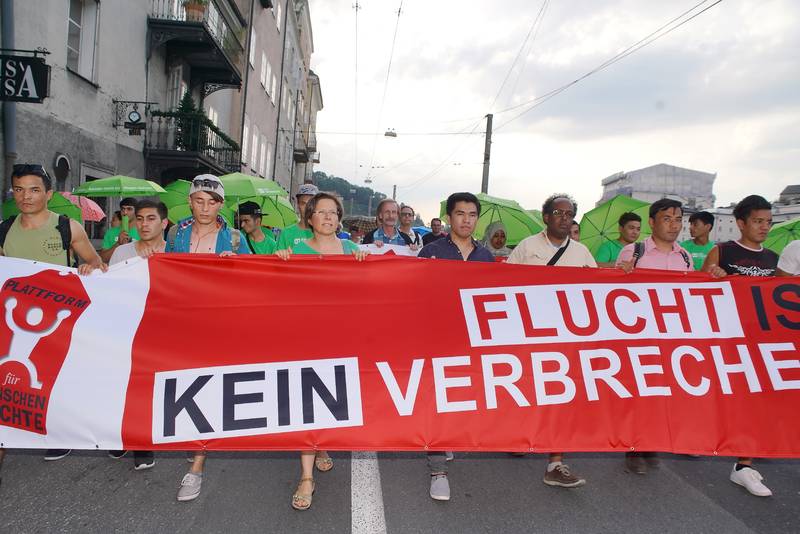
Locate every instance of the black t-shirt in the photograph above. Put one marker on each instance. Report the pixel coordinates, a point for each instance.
(430, 237)
(735, 258)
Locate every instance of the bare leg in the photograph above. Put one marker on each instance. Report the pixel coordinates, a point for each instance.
(745, 461)
(307, 471)
(198, 463)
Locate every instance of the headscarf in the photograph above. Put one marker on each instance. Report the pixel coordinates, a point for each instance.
(487, 239)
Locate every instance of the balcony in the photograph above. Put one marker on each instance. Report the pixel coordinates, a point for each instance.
(204, 39)
(184, 144)
(301, 152)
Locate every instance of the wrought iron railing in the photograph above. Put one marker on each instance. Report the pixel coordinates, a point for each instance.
(210, 17)
(192, 132)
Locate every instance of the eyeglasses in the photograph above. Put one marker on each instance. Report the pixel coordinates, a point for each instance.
(205, 182)
(22, 169)
(326, 213)
(563, 213)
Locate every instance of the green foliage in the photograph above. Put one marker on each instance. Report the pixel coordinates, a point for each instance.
(192, 126)
(360, 201)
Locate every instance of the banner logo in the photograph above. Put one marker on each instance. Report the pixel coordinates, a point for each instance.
(39, 314)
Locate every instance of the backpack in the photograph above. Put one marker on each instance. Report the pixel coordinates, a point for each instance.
(236, 238)
(638, 252)
(63, 227)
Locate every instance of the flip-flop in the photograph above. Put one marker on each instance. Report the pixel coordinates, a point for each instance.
(323, 464)
(301, 501)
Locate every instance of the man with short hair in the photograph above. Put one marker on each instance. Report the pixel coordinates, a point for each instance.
(250, 223)
(700, 226)
(746, 257)
(151, 221)
(630, 227)
(204, 232)
(122, 234)
(386, 233)
(553, 247)
(659, 251)
(38, 234)
(437, 232)
(294, 234)
(789, 262)
(463, 210)
(406, 220)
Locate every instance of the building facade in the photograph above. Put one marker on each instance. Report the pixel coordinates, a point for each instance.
(693, 188)
(244, 63)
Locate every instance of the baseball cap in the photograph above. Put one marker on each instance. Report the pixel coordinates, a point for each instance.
(208, 183)
(249, 208)
(307, 189)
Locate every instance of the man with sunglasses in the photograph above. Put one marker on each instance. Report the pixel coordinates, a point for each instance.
(39, 234)
(554, 247)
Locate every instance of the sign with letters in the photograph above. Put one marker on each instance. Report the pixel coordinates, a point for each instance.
(24, 79)
(250, 353)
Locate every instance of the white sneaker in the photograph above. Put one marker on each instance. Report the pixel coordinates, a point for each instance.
(440, 488)
(448, 456)
(750, 479)
(190, 487)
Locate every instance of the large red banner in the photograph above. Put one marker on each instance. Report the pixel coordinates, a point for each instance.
(413, 354)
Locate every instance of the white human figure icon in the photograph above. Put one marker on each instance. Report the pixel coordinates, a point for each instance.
(24, 341)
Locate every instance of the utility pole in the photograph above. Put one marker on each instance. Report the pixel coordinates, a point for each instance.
(394, 192)
(487, 154)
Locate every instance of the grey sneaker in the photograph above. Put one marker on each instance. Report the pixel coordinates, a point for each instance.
(440, 488)
(190, 487)
(561, 476)
(448, 456)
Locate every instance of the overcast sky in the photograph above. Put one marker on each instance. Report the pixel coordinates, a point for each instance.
(720, 94)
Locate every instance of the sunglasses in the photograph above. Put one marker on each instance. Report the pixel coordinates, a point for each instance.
(211, 184)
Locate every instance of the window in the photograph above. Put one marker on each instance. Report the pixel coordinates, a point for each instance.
(273, 88)
(175, 87)
(283, 96)
(245, 138)
(82, 37)
(268, 76)
(253, 47)
(254, 148)
(263, 167)
(213, 116)
(277, 13)
(264, 70)
(268, 164)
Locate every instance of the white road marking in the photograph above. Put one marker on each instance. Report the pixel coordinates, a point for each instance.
(366, 494)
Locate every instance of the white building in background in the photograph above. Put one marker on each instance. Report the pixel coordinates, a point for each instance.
(693, 188)
(787, 206)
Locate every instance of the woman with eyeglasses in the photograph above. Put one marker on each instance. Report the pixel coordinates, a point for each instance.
(322, 215)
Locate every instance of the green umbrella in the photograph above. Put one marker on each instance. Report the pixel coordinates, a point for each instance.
(602, 223)
(118, 186)
(518, 222)
(58, 204)
(537, 216)
(782, 234)
(239, 185)
(176, 198)
(276, 210)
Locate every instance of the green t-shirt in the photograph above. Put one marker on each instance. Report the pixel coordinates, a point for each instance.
(608, 251)
(302, 247)
(266, 246)
(291, 236)
(698, 252)
(113, 234)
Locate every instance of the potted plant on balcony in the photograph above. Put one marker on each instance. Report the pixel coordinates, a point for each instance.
(195, 9)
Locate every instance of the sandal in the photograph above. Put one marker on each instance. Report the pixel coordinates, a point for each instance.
(303, 501)
(324, 464)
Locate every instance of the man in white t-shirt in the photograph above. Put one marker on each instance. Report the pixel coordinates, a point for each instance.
(151, 221)
(789, 262)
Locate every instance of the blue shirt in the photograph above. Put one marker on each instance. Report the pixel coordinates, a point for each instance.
(183, 238)
(445, 249)
(379, 235)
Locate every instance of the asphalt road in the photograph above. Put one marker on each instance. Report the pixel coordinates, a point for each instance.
(250, 492)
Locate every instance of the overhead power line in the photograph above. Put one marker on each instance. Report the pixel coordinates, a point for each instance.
(662, 31)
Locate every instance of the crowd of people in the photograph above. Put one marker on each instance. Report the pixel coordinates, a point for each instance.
(41, 235)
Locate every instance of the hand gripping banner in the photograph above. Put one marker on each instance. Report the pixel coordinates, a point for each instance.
(188, 352)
